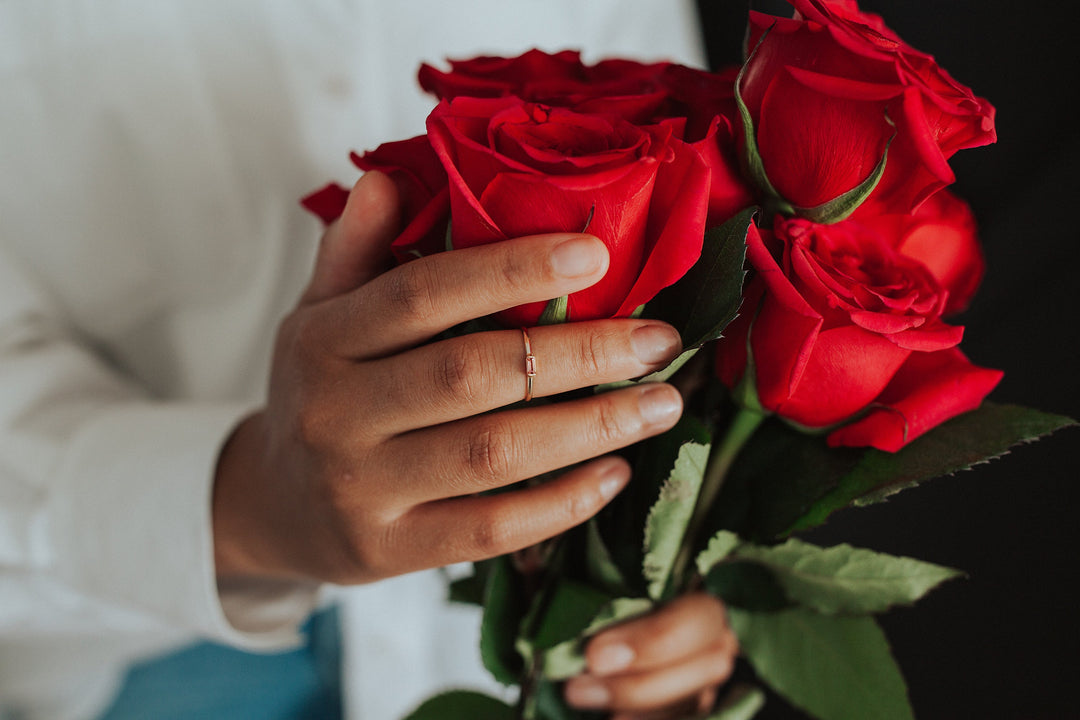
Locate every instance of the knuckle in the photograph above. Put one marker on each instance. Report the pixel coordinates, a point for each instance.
(460, 371)
(412, 290)
(607, 426)
(594, 356)
(489, 453)
(370, 555)
(515, 273)
(491, 536)
(581, 505)
(314, 423)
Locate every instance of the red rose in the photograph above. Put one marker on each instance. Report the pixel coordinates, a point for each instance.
(829, 88)
(623, 87)
(422, 187)
(941, 235)
(518, 168)
(840, 323)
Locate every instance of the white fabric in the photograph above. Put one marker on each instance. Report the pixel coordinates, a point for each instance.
(151, 155)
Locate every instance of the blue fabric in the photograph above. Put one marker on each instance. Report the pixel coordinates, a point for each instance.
(208, 681)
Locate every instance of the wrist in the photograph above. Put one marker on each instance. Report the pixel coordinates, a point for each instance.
(237, 508)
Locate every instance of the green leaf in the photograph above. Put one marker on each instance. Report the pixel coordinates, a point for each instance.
(462, 705)
(572, 607)
(707, 298)
(777, 477)
(599, 563)
(834, 668)
(551, 706)
(567, 659)
(746, 585)
(503, 610)
(667, 521)
(960, 443)
(741, 702)
(843, 579)
(555, 311)
(661, 375)
(468, 590)
(720, 546)
(622, 522)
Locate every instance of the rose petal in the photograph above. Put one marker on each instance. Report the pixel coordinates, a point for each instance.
(677, 214)
(847, 368)
(326, 203)
(929, 389)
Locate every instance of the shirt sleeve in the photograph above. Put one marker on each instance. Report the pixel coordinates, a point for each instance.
(105, 495)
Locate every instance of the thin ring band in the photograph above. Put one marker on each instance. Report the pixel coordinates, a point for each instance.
(530, 365)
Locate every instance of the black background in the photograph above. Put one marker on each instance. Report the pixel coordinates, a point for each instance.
(1005, 641)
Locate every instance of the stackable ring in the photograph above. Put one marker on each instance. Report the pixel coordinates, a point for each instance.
(530, 365)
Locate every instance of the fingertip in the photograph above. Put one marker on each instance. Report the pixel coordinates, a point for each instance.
(614, 474)
(579, 255)
(661, 405)
(374, 198)
(606, 657)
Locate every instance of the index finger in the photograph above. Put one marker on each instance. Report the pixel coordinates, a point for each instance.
(414, 302)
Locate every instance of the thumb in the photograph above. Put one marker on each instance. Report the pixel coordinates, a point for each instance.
(356, 247)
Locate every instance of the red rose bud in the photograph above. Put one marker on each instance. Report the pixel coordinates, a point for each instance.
(518, 168)
(839, 322)
(828, 90)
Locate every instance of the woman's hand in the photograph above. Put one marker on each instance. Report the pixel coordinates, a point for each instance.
(373, 451)
(665, 665)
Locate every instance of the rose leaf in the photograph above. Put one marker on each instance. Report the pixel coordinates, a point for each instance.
(778, 476)
(504, 609)
(621, 523)
(707, 298)
(568, 659)
(969, 439)
(462, 705)
(742, 702)
(667, 521)
(572, 606)
(832, 667)
(843, 579)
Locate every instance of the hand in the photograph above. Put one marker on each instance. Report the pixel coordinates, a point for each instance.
(667, 664)
(374, 448)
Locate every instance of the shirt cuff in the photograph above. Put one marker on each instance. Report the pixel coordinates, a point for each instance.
(131, 525)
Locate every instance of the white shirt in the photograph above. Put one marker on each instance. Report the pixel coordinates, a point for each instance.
(151, 157)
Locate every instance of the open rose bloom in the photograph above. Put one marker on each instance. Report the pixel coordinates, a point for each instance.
(841, 324)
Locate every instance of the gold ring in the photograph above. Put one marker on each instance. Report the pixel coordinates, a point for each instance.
(530, 365)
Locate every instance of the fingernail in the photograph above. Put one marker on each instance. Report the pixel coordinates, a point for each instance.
(654, 344)
(660, 405)
(610, 658)
(587, 692)
(613, 478)
(580, 255)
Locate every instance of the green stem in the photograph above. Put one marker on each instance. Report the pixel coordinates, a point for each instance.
(745, 422)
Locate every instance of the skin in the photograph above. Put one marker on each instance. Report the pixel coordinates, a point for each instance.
(369, 456)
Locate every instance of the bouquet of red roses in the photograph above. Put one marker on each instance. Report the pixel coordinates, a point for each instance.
(789, 217)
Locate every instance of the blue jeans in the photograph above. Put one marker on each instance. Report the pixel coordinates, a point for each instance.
(207, 681)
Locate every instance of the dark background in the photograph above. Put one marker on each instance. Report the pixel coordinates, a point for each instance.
(1005, 642)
